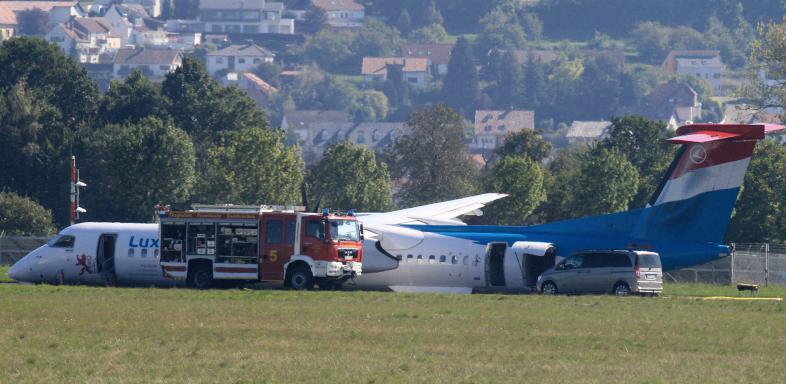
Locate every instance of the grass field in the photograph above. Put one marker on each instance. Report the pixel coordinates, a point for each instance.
(93, 334)
(4, 274)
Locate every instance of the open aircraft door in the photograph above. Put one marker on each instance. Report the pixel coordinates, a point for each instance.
(534, 258)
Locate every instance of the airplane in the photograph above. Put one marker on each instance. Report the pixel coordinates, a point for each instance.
(685, 221)
(94, 253)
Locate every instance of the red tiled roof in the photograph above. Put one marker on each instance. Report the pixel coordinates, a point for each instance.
(503, 122)
(436, 52)
(378, 65)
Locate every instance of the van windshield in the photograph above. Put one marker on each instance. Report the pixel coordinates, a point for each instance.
(649, 261)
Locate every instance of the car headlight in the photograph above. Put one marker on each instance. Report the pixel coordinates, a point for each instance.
(540, 277)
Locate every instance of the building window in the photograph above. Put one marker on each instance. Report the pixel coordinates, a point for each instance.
(361, 138)
(164, 68)
(241, 61)
(219, 60)
(250, 29)
(716, 76)
(257, 61)
(413, 80)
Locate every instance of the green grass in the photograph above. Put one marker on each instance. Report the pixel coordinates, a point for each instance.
(719, 290)
(84, 334)
(4, 274)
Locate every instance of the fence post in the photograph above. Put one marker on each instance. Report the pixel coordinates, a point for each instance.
(731, 267)
(766, 264)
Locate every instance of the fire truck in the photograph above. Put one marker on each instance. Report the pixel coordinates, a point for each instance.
(212, 243)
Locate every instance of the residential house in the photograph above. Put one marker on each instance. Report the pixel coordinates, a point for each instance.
(238, 58)
(58, 11)
(342, 13)
(299, 122)
(375, 136)
(581, 132)
(414, 69)
(87, 39)
(673, 102)
(703, 64)
(152, 7)
(491, 127)
(437, 54)
(244, 16)
(256, 88)
(8, 22)
(155, 63)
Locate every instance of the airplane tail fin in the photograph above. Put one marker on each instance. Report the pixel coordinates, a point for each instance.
(697, 195)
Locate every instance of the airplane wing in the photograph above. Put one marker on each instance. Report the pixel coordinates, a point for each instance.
(444, 213)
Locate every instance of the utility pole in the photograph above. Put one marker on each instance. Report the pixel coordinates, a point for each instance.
(74, 209)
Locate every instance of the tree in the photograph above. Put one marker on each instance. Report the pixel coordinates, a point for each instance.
(767, 67)
(760, 213)
(251, 166)
(314, 21)
(190, 91)
(525, 143)
(349, 176)
(461, 89)
(643, 143)
(501, 30)
(652, 40)
(132, 167)
(375, 38)
(430, 15)
(372, 106)
(270, 72)
(433, 157)
(33, 21)
(606, 182)
(522, 178)
(133, 100)
(404, 22)
(23, 216)
(434, 33)
(332, 50)
(50, 101)
(510, 87)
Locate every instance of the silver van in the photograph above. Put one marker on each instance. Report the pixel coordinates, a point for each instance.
(617, 272)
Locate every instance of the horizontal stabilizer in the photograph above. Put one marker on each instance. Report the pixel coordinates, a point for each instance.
(704, 133)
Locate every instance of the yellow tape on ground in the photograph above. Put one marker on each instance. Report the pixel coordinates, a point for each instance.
(742, 298)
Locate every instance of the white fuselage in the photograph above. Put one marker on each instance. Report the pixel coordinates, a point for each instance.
(134, 259)
(429, 262)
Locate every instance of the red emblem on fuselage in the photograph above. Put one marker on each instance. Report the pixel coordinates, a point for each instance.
(82, 260)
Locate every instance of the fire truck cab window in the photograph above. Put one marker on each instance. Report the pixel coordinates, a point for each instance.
(273, 232)
(290, 232)
(315, 228)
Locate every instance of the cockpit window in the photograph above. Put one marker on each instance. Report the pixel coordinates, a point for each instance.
(62, 241)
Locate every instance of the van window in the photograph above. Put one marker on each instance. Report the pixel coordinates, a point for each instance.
(606, 260)
(575, 261)
(649, 261)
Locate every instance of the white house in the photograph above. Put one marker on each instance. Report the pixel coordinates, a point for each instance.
(415, 70)
(492, 127)
(152, 7)
(155, 63)
(238, 58)
(244, 16)
(703, 64)
(342, 13)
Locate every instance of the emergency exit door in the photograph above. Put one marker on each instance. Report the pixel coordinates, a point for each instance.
(278, 240)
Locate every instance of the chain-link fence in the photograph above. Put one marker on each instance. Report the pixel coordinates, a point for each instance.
(13, 248)
(756, 263)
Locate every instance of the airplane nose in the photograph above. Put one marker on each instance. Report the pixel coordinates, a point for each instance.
(15, 273)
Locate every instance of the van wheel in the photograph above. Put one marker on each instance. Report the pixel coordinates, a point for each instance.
(621, 289)
(549, 288)
(201, 277)
(300, 278)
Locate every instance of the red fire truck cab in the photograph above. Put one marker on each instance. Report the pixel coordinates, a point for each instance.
(252, 243)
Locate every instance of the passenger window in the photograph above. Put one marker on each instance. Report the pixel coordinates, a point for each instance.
(442, 259)
(420, 259)
(273, 232)
(398, 257)
(454, 260)
(143, 252)
(409, 258)
(155, 253)
(290, 232)
(432, 259)
(130, 252)
(619, 260)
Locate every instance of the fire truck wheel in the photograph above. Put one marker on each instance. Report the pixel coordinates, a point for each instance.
(201, 277)
(300, 278)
